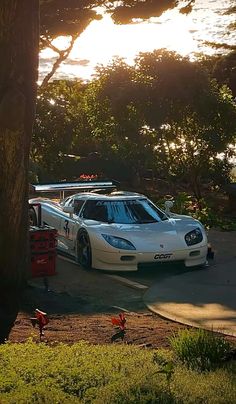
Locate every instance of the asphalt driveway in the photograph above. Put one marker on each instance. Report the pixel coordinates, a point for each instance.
(203, 298)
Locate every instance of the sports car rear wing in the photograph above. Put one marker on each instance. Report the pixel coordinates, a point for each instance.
(82, 186)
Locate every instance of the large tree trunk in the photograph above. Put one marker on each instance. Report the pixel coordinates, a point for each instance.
(19, 37)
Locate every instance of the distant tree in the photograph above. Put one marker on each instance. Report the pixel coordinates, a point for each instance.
(223, 65)
(60, 120)
(224, 70)
(115, 119)
(19, 37)
(163, 113)
(193, 117)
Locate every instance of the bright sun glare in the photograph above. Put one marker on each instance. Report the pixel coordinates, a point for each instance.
(99, 45)
(103, 40)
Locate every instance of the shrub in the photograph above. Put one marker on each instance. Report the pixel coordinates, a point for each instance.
(113, 374)
(185, 204)
(199, 349)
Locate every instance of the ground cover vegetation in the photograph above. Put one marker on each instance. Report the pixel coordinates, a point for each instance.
(37, 373)
(18, 75)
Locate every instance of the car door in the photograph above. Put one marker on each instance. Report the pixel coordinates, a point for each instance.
(51, 215)
(69, 225)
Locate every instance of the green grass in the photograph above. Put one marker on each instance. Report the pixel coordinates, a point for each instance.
(199, 349)
(81, 373)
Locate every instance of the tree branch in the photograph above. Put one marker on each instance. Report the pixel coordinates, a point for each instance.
(47, 43)
(222, 45)
(63, 55)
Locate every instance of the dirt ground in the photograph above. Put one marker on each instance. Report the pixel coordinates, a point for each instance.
(71, 320)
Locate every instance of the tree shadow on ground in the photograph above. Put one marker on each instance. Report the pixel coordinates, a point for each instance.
(62, 303)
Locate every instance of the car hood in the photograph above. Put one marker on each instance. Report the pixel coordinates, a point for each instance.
(165, 235)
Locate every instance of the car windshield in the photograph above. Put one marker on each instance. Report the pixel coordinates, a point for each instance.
(123, 212)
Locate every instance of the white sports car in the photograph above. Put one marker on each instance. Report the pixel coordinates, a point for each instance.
(122, 231)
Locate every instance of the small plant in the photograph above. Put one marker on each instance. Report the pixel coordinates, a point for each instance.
(199, 349)
(166, 367)
(119, 323)
(41, 320)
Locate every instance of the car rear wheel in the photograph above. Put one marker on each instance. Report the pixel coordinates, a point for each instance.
(32, 217)
(84, 252)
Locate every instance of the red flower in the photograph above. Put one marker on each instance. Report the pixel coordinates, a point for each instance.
(42, 318)
(119, 322)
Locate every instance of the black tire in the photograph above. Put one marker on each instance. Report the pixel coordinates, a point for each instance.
(83, 250)
(32, 217)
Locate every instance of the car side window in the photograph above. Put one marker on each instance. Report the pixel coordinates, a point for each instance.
(66, 202)
(95, 210)
(77, 204)
(70, 202)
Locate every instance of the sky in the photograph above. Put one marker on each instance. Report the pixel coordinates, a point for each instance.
(103, 40)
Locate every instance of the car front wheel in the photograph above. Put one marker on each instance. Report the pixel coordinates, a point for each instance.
(84, 252)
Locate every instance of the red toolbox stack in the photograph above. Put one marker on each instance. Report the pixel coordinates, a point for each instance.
(43, 242)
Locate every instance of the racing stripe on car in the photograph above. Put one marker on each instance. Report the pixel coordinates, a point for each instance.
(128, 282)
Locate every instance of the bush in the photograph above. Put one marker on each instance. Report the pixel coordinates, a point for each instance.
(185, 204)
(114, 374)
(199, 349)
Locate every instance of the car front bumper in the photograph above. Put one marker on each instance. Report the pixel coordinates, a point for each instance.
(129, 260)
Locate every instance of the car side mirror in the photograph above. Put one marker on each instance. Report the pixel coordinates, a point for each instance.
(69, 209)
(168, 206)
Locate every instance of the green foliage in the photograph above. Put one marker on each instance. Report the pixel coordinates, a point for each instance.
(166, 367)
(185, 204)
(60, 128)
(115, 119)
(209, 218)
(127, 11)
(164, 113)
(82, 373)
(199, 349)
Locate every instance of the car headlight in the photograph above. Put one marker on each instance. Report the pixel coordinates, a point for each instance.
(194, 237)
(119, 242)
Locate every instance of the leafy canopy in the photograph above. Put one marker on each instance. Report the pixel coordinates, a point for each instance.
(163, 113)
(59, 17)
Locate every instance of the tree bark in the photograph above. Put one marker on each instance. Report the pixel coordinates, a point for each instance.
(19, 37)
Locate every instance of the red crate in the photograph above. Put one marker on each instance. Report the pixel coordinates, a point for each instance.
(42, 239)
(43, 264)
(44, 233)
(45, 245)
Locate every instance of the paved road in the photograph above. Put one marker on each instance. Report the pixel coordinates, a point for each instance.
(97, 291)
